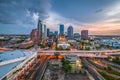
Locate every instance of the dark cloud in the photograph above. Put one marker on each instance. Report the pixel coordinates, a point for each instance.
(16, 11)
(99, 10)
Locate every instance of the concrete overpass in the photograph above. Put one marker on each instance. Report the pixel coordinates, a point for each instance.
(12, 61)
(82, 53)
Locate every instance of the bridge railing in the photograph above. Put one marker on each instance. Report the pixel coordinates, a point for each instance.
(12, 61)
(10, 74)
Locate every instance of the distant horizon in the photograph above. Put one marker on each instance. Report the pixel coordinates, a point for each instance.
(79, 33)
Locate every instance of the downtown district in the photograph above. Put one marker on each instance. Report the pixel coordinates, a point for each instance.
(60, 56)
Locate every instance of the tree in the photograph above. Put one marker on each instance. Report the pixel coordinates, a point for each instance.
(66, 66)
(59, 48)
(117, 60)
(87, 48)
(42, 45)
(97, 47)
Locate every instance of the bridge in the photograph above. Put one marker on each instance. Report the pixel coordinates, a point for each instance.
(82, 53)
(12, 61)
(24, 65)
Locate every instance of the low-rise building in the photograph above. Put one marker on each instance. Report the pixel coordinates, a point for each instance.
(84, 35)
(26, 44)
(77, 36)
(54, 72)
(75, 63)
(3, 41)
(110, 42)
(64, 45)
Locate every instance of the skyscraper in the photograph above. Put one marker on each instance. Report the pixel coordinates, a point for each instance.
(56, 33)
(45, 32)
(34, 36)
(48, 31)
(40, 29)
(84, 34)
(70, 32)
(61, 29)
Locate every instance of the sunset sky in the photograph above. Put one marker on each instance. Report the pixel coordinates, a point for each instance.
(97, 16)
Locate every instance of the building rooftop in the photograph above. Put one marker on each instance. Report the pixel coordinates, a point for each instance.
(71, 57)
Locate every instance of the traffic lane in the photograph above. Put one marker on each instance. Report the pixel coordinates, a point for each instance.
(93, 71)
(39, 71)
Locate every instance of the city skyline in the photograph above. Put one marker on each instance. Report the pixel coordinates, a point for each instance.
(99, 17)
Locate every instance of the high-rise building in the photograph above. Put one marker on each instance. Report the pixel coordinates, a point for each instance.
(61, 29)
(84, 34)
(51, 33)
(66, 34)
(77, 36)
(70, 32)
(45, 32)
(48, 31)
(35, 35)
(56, 33)
(40, 29)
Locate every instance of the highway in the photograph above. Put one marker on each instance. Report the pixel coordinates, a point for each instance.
(37, 70)
(40, 69)
(78, 54)
(114, 66)
(31, 71)
(93, 71)
(100, 70)
(111, 63)
(82, 53)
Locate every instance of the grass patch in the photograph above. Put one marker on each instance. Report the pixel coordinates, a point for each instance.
(107, 77)
(113, 72)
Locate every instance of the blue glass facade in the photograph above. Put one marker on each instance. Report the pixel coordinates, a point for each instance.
(40, 29)
(45, 32)
(56, 33)
(61, 29)
(70, 32)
